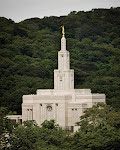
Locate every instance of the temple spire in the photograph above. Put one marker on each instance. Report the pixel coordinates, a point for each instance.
(63, 76)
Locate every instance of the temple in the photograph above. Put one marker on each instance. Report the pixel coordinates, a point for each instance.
(64, 104)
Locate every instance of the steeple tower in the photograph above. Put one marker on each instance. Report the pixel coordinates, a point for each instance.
(64, 76)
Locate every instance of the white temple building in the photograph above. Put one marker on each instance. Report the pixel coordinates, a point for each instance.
(64, 104)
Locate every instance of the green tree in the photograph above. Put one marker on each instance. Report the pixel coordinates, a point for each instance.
(98, 114)
(100, 137)
(31, 136)
(6, 127)
(99, 129)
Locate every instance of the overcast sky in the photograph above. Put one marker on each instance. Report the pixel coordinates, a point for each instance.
(19, 10)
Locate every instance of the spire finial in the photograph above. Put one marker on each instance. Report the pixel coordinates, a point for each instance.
(63, 31)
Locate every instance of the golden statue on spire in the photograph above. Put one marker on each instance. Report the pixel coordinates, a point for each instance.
(63, 31)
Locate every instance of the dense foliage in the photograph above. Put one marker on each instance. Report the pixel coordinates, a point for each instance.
(100, 130)
(6, 127)
(28, 54)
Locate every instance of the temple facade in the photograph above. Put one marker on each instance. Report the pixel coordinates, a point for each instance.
(64, 104)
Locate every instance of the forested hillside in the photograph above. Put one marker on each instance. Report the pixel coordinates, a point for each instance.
(28, 54)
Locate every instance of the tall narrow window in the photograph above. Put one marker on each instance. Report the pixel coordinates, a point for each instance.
(31, 114)
(61, 83)
(41, 113)
(57, 113)
(74, 116)
(62, 63)
(75, 111)
(28, 114)
(73, 119)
